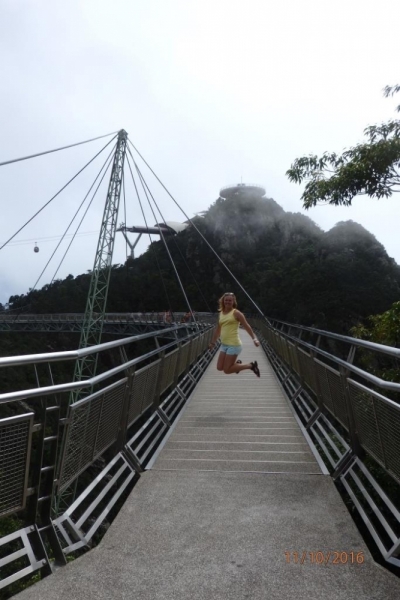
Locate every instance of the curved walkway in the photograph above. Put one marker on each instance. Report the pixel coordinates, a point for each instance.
(231, 498)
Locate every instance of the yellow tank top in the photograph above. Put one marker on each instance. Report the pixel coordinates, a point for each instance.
(229, 329)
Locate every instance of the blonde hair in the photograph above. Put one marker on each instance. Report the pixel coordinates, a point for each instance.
(221, 301)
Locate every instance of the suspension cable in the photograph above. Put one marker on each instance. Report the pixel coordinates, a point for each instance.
(44, 240)
(202, 236)
(123, 190)
(164, 242)
(153, 251)
(57, 194)
(175, 242)
(7, 162)
(73, 219)
(111, 158)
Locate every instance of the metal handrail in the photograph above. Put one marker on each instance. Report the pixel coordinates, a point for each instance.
(344, 338)
(73, 354)
(73, 385)
(124, 422)
(389, 385)
(349, 422)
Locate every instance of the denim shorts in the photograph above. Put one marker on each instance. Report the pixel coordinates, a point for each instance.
(230, 350)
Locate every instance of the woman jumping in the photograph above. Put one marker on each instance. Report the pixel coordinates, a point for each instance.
(231, 346)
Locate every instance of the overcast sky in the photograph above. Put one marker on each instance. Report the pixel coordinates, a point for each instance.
(211, 92)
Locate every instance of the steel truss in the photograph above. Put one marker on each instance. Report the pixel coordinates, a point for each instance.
(96, 303)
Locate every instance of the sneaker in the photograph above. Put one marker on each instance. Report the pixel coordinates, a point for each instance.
(255, 369)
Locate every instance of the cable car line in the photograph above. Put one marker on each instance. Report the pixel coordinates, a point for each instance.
(108, 159)
(55, 195)
(45, 240)
(83, 217)
(8, 162)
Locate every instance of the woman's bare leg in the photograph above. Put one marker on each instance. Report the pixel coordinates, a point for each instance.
(221, 360)
(230, 365)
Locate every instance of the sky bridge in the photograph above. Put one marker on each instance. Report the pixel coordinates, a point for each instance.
(113, 323)
(133, 468)
(233, 481)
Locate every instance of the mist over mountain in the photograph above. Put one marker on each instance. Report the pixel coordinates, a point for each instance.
(291, 268)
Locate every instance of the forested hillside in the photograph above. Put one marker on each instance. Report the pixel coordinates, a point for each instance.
(292, 269)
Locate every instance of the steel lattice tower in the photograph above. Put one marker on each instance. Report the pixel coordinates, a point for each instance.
(85, 367)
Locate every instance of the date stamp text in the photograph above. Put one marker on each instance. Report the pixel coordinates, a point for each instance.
(333, 557)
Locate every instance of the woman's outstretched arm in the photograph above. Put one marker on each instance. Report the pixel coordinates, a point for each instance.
(242, 320)
(216, 334)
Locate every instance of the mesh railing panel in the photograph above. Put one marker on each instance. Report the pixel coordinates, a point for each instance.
(150, 386)
(307, 369)
(110, 419)
(338, 397)
(169, 368)
(183, 357)
(89, 420)
(293, 358)
(322, 378)
(193, 350)
(137, 393)
(377, 424)
(200, 345)
(389, 427)
(14, 454)
(285, 352)
(366, 423)
(94, 425)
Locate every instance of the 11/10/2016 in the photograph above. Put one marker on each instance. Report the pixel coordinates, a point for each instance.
(323, 558)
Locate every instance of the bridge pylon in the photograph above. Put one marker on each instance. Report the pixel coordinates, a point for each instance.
(85, 367)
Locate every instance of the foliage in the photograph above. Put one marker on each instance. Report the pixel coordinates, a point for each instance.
(382, 329)
(370, 168)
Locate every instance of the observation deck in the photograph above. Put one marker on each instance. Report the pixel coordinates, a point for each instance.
(242, 190)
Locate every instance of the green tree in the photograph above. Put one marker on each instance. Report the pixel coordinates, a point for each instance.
(381, 329)
(371, 168)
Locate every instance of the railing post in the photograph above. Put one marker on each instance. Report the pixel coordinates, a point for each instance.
(122, 434)
(354, 441)
(157, 393)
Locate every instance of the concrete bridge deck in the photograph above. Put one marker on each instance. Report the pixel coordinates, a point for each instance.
(234, 493)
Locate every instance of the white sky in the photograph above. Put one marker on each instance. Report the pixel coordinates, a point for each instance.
(208, 90)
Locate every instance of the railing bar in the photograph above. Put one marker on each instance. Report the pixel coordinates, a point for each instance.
(156, 439)
(64, 532)
(327, 454)
(109, 506)
(328, 439)
(81, 384)
(16, 576)
(14, 556)
(27, 544)
(98, 499)
(379, 490)
(95, 481)
(374, 507)
(364, 517)
(137, 434)
(153, 427)
(74, 354)
(373, 393)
